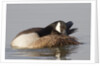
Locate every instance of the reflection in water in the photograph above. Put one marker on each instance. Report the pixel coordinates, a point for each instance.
(54, 53)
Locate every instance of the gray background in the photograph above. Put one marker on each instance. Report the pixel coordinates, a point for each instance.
(24, 16)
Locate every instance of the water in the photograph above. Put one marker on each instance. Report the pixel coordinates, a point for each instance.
(46, 53)
(21, 17)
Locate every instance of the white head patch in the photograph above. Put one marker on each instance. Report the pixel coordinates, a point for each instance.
(58, 27)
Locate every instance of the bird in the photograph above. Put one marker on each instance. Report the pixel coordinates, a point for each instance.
(55, 34)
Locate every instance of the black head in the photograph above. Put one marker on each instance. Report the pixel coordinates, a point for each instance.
(58, 27)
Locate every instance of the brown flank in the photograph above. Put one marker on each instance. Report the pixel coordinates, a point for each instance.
(51, 41)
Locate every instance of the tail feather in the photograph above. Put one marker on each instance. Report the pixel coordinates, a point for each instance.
(69, 25)
(71, 31)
